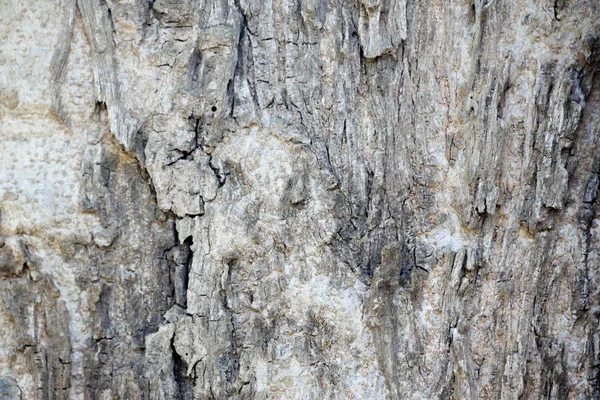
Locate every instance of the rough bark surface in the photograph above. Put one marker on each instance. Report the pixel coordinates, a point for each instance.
(299, 199)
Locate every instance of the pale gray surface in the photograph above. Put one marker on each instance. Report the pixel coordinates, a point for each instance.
(299, 199)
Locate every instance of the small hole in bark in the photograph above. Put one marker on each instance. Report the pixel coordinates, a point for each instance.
(214, 108)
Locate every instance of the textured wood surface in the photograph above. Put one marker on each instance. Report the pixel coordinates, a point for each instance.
(299, 199)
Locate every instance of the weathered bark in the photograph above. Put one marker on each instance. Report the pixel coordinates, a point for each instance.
(247, 199)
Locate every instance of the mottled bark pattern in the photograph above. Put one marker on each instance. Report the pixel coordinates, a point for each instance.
(299, 199)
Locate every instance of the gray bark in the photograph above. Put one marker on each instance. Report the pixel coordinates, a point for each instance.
(299, 199)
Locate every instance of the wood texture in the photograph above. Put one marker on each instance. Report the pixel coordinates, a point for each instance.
(299, 199)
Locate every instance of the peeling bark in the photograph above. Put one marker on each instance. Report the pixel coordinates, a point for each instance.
(248, 199)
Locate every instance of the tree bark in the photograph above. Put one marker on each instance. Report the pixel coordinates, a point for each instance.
(299, 199)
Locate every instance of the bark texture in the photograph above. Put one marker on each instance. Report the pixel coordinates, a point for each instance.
(299, 199)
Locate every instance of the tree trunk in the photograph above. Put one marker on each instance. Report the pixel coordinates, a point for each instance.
(299, 199)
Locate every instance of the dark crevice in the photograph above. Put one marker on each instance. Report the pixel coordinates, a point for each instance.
(183, 155)
(558, 6)
(183, 263)
(195, 64)
(221, 177)
(185, 384)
